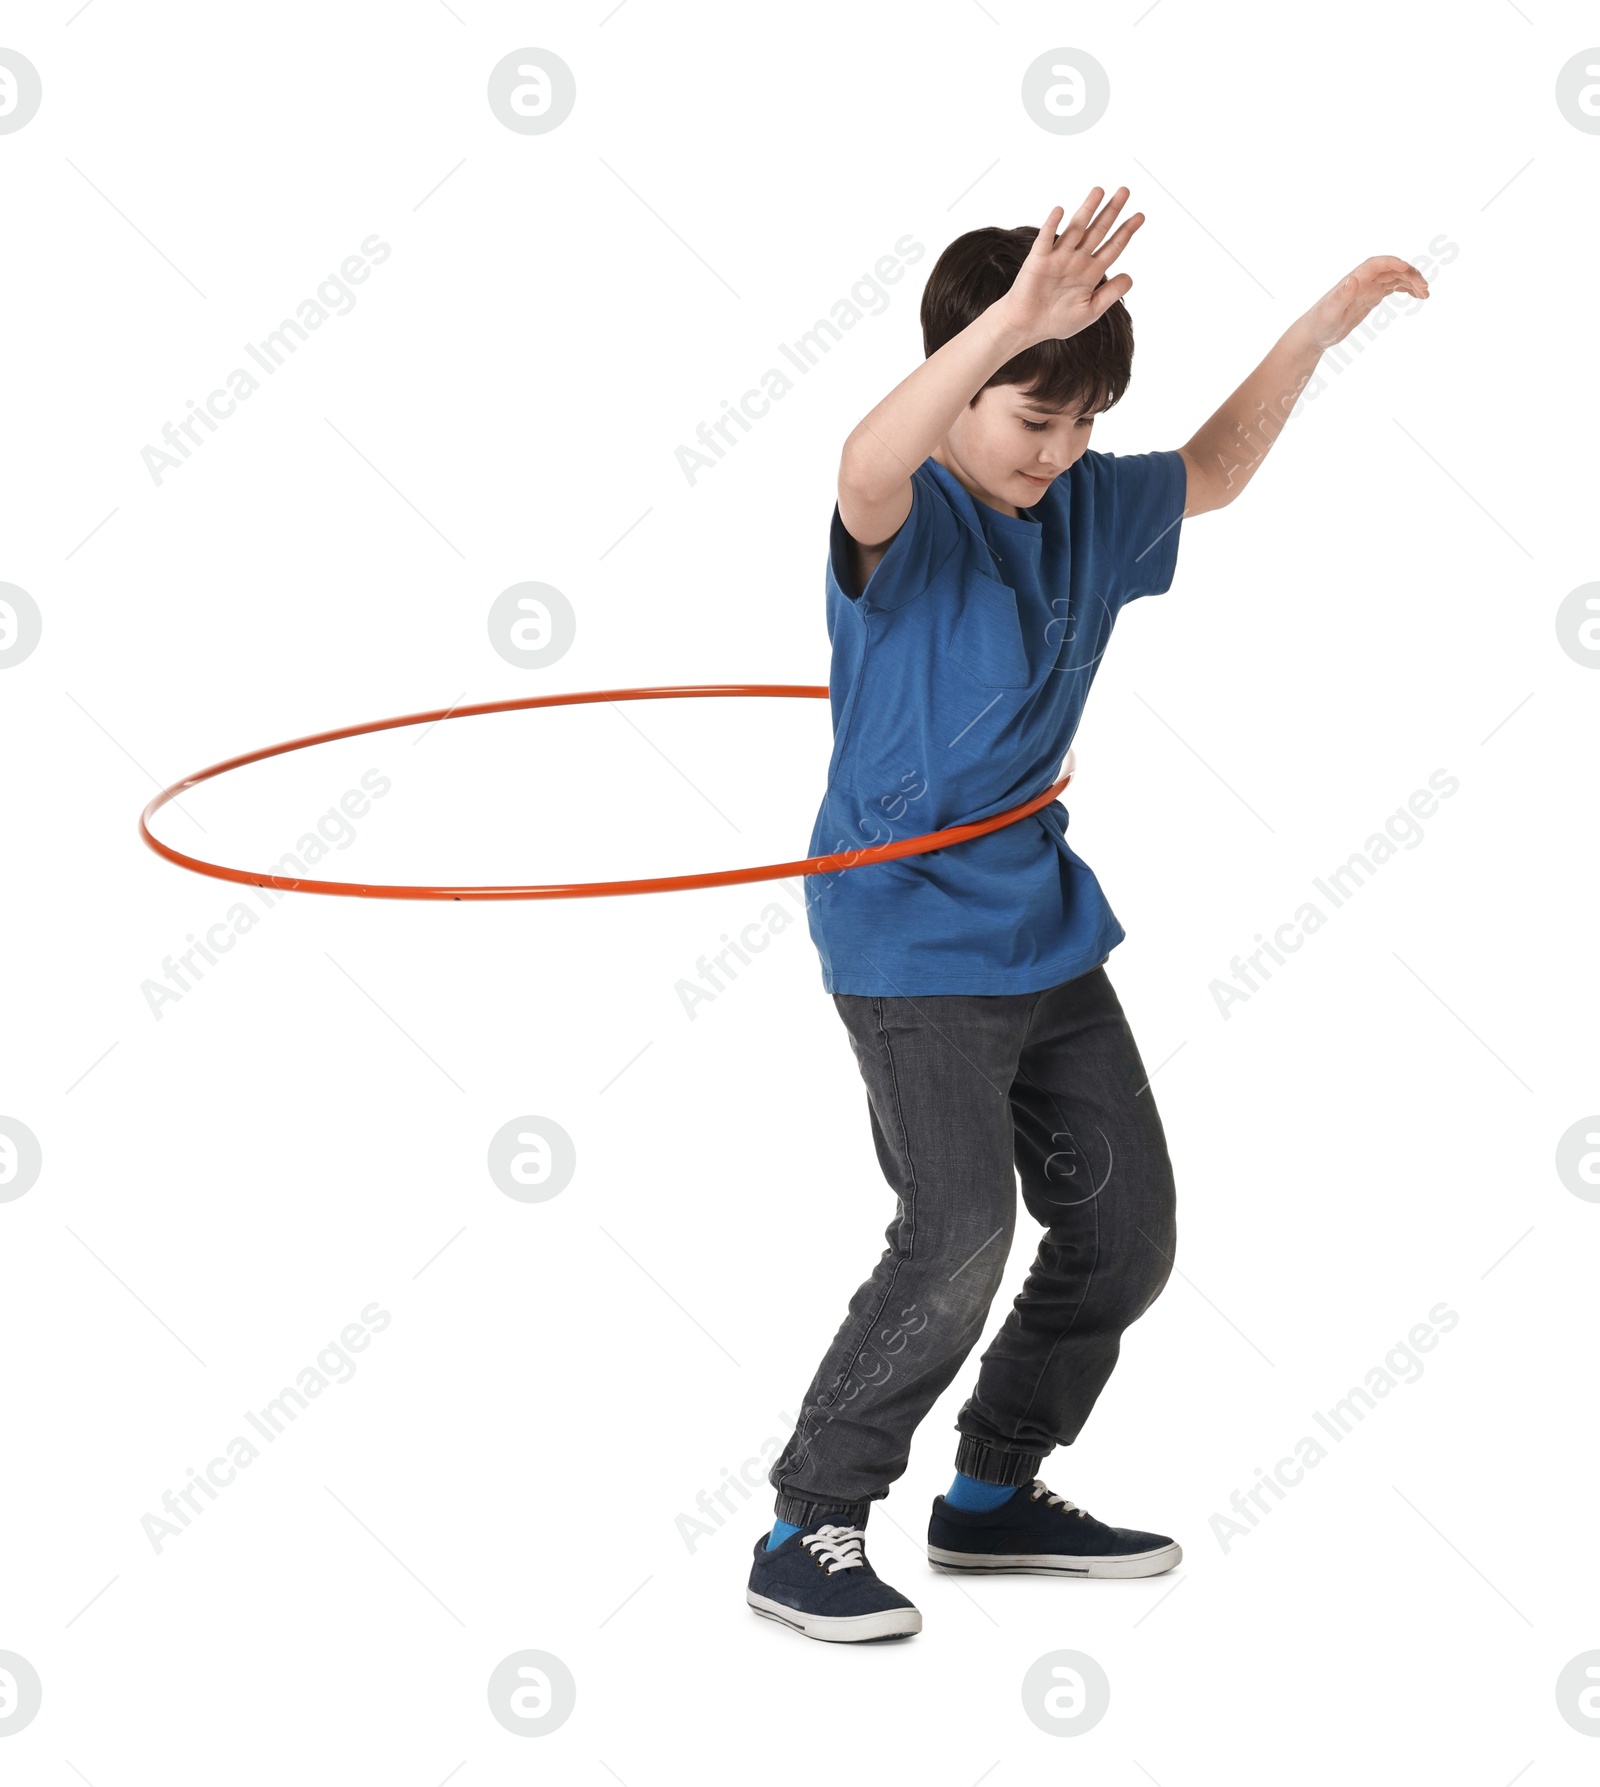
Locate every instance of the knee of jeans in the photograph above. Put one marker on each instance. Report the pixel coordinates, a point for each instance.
(951, 1306)
(964, 1298)
(1152, 1266)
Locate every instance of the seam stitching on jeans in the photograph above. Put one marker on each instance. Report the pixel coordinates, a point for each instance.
(1119, 1017)
(900, 1259)
(1094, 1266)
(905, 1138)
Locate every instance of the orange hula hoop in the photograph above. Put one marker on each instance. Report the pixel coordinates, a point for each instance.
(810, 865)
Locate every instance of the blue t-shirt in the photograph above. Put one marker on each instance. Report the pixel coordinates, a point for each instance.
(956, 686)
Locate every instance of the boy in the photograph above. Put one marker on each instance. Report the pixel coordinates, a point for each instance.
(980, 555)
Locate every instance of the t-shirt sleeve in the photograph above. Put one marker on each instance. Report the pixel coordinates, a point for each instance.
(1137, 517)
(927, 537)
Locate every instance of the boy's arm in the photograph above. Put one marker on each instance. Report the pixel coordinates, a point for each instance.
(1061, 289)
(1223, 455)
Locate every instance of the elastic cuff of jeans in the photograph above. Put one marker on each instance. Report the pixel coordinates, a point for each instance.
(991, 1464)
(797, 1512)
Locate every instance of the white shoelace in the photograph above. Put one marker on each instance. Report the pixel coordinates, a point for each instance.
(1037, 1489)
(838, 1547)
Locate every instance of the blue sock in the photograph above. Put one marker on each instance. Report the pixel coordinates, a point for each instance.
(781, 1530)
(974, 1496)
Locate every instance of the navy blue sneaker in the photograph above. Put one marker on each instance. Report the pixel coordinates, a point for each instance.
(1038, 1533)
(820, 1583)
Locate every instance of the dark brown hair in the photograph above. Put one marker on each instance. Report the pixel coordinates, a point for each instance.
(1088, 371)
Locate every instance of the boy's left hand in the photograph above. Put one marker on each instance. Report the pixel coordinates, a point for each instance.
(1337, 312)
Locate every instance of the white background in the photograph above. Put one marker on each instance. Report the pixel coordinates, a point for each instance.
(304, 1132)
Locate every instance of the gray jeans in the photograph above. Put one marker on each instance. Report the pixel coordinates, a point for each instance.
(966, 1092)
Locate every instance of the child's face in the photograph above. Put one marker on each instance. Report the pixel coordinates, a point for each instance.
(1008, 448)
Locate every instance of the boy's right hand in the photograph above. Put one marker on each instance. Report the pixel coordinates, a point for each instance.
(1058, 292)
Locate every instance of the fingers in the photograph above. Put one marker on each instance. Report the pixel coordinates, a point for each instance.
(1386, 283)
(1105, 256)
(1094, 234)
(1046, 238)
(1086, 231)
(1107, 294)
(1390, 263)
(1087, 227)
(1377, 278)
(1080, 217)
(1392, 273)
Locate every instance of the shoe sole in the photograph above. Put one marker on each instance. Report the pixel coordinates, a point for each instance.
(1138, 1563)
(858, 1628)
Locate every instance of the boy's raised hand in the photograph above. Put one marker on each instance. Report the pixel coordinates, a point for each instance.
(1338, 311)
(1058, 292)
